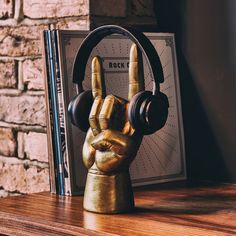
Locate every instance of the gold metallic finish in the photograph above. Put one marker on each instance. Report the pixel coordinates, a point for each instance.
(98, 82)
(127, 129)
(136, 77)
(108, 193)
(88, 151)
(111, 143)
(94, 113)
(112, 107)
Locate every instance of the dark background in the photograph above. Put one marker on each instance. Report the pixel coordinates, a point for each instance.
(206, 47)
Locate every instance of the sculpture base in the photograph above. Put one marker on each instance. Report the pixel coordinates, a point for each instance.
(108, 193)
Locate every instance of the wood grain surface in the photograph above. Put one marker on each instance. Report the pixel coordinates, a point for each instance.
(169, 209)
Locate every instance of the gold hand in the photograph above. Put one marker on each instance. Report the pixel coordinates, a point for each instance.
(111, 143)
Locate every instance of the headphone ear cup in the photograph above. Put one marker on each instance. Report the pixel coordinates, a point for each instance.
(147, 112)
(154, 112)
(79, 109)
(134, 110)
(164, 108)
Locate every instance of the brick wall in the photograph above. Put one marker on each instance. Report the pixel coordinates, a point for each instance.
(23, 144)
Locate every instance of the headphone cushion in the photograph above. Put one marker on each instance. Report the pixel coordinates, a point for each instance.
(79, 109)
(154, 112)
(134, 110)
(147, 112)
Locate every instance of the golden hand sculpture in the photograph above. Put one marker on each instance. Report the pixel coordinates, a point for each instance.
(111, 143)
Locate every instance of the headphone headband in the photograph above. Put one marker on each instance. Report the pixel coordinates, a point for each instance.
(95, 36)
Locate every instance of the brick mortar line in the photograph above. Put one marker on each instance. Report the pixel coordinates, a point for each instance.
(18, 161)
(57, 19)
(44, 21)
(17, 93)
(24, 127)
(20, 58)
(17, 9)
(20, 76)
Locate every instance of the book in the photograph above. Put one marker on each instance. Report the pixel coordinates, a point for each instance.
(55, 132)
(161, 157)
(49, 115)
(52, 119)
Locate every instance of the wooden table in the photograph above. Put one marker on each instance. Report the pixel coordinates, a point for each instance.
(172, 209)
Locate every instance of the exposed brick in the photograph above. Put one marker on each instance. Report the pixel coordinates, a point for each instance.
(33, 74)
(21, 41)
(24, 109)
(108, 8)
(8, 74)
(57, 8)
(6, 9)
(20, 145)
(35, 146)
(37, 180)
(23, 177)
(73, 24)
(142, 8)
(7, 142)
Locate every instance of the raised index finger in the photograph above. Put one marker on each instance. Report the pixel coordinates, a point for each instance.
(98, 82)
(136, 80)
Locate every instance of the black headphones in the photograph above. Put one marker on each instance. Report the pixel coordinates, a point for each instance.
(148, 111)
